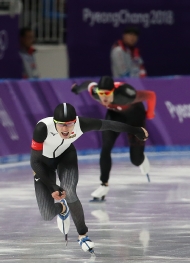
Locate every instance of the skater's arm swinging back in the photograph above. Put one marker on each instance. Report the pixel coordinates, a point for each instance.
(79, 88)
(89, 124)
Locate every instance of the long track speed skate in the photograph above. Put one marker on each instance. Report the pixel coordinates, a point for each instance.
(86, 244)
(145, 168)
(63, 221)
(100, 193)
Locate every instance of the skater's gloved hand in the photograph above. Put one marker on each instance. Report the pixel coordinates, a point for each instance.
(74, 88)
(143, 135)
(57, 195)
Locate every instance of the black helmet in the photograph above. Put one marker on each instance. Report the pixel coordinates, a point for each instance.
(64, 112)
(106, 82)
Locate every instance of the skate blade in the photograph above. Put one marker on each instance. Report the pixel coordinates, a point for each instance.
(148, 177)
(92, 252)
(66, 240)
(97, 200)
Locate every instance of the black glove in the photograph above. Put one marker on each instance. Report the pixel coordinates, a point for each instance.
(141, 135)
(55, 188)
(74, 88)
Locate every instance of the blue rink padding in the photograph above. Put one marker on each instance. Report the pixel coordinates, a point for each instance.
(151, 151)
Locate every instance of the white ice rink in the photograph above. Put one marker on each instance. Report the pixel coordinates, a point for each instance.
(139, 222)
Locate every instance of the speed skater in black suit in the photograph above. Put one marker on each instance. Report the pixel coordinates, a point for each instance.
(53, 151)
(124, 104)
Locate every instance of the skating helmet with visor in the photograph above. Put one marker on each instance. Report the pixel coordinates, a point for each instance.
(64, 115)
(105, 86)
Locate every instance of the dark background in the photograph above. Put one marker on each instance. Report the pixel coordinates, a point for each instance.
(164, 48)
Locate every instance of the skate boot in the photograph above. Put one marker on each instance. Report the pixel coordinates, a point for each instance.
(63, 220)
(145, 168)
(86, 244)
(100, 193)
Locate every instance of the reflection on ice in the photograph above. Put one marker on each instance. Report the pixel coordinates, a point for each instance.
(144, 238)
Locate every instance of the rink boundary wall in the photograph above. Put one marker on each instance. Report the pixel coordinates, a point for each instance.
(24, 102)
(91, 153)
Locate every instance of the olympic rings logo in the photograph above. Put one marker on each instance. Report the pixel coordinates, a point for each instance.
(4, 42)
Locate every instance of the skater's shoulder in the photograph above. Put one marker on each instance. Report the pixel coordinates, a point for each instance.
(125, 91)
(43, 124)
(47, 121)
(40, 132)
(41, 127)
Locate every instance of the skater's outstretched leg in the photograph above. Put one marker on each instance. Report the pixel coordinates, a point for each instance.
(68, 175)
(108, 139)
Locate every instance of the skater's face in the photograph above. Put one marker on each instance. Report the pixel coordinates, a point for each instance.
(28, 39)
(106, 96)
(130, 39)
(65, 128)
